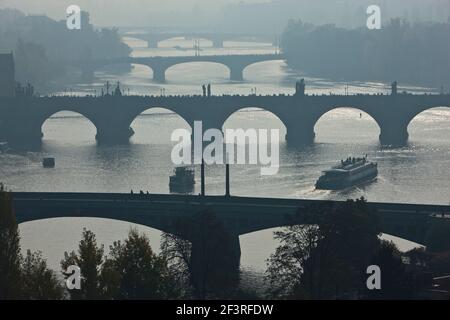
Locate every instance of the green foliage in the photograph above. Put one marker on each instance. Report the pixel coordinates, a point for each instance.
(21, 278)
(39, 282)
(285, 266)
(89, 259)
(177, 251)
(399, 51)
(10, 257)
(324, 251)
(396, 281)
(32, 64)
(41, 49)
(138, 272)
(130, 271)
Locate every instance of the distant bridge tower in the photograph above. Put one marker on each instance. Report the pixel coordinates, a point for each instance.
(7, 75)
(300, 88)
(394, 88)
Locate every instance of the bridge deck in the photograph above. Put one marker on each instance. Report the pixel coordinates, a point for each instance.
(240, 214)
(232, 200)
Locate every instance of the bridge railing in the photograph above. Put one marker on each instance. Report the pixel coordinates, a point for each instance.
(380, 206)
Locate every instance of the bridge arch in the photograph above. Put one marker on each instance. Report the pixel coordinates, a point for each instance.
(147, 124)
(413, 231)
(89, 126)
(198, 72)
(268, 72)
(156, 225)
(114, 68)
(235, 63)
(426, 119)
(88, 73)
(248, 118)
(161, 42)
(142, 70)
(362, 121)
(88, 70)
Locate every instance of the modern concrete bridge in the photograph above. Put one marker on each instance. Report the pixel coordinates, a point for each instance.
(217, 39)
(21, 118)
(240, 215)
(235, 63)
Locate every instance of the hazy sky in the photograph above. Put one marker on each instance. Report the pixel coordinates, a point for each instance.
(126, 12)
(234, 15)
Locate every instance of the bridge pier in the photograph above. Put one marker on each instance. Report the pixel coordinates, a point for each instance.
(26, 139)
(112, 134)
(26, 134)
(159, 74)
(152, 43)
(300, 134)
(225, 261)
(235, 246)
(236, 73)
(394, 134)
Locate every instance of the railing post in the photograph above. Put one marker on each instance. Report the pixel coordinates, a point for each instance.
(202, 177)
(227, 179)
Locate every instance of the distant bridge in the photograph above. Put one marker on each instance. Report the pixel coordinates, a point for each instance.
(21, 118)
(235, 63)
(217, 39)
(240, 215)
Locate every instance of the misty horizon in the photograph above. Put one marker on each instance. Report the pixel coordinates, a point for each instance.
(226, 15)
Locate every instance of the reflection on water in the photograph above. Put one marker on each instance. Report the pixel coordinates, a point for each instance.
(417, 172)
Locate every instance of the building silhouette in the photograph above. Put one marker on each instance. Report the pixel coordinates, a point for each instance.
(7, 75)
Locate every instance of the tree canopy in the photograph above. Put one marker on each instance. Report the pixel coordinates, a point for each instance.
(410, 53)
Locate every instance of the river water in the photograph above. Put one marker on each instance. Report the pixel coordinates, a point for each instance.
(416, 173)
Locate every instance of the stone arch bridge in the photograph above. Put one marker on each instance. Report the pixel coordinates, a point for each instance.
(21, 118)
(235, 63)
(217, 39)
(240, 215)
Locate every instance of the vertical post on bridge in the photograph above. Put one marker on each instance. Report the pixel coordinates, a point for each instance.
(202, 177)
(227, 180)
